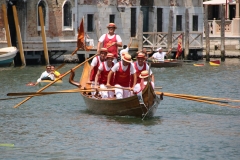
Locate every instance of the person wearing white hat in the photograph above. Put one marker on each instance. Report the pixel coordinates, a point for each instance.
(111, 41)
(102, 75)
(122, 72)
(144, 79)
(160, 55)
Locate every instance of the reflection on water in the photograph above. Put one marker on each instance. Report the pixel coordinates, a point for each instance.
(60, 127)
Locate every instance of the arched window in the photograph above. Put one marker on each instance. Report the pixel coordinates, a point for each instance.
(67, 15)
(43, 4)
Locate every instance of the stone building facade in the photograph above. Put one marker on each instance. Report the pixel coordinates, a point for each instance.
(62, 18)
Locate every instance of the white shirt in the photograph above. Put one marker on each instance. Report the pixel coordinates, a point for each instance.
(124, 68)
(141, 67)
(159, 56)
(123, 50)
(46, 74)
(106, 66)
(94, 61)
(101, 39)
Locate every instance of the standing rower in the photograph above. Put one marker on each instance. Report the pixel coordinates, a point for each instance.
(111, 41)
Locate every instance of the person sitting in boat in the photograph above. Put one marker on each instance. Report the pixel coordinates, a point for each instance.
(140, 65)
(123, 71)
(102, 75)
(111, 41)
(46, 75)
(143, 82)
(95, 64)
(160, 55)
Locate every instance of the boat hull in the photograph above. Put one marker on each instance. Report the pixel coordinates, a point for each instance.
(7, 55)
(130, 106)
(167, 63)
(124, 107)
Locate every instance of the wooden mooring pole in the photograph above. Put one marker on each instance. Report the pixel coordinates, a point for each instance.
(140, 31)
(222, 34)
(19, 38)
(206, 29)
(43, 35)
(186, 49)
(6, 25)
(170, 28)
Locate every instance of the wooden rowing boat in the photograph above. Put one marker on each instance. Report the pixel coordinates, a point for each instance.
(167, 63)
(7, 55)
(130, 106)
(45, 82)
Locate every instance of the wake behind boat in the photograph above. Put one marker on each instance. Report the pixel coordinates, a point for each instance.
(7, 55)
(130, 106)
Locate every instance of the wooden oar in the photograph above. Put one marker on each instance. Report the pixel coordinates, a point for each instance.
(208, 98)
(195, 99)
(63, 75)
(43, 93)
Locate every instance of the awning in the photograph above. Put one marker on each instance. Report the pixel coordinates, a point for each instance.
(219, 2)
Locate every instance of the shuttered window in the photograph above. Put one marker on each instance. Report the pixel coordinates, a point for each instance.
(133, 22)
(111, 18)
(67, 14)
(195, 23)
(179, 23)
(159, 20)
(90, 22)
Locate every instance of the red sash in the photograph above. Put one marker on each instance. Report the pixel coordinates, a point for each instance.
(104, 75)
(122, 77)
(94, 70)
(108, 42)
(138, 72)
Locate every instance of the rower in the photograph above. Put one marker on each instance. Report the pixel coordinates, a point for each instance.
(95, 64)
(144, 79)
(102, 76)
(123, 70)
(140, 65)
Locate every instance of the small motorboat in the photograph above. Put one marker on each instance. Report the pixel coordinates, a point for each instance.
(7, 55)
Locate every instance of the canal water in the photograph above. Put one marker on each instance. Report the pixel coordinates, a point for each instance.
(60, 127)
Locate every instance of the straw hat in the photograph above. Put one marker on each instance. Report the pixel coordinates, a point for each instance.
(127, 57)
(103, 50)
(141, 55)
(110, 55)
(123, 53)
(112, 25)
(144, 74)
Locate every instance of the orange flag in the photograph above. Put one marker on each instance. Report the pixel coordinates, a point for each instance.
(179, 49)
(81, 39)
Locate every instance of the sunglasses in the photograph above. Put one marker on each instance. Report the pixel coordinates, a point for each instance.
(48, 68)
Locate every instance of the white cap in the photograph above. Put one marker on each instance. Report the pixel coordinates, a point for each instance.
(158, 48)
